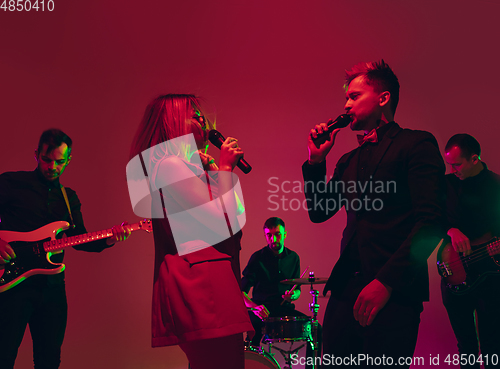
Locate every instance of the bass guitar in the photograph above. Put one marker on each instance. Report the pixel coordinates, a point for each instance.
(34, 249)
(464, 273)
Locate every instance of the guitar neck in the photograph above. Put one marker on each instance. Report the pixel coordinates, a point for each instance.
(483, 250)
(494, 247)
(80, 239)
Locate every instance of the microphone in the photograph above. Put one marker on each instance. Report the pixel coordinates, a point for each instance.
(340, 122)
(217, 139)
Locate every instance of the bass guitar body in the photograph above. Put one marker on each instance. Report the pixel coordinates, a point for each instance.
(463, 273)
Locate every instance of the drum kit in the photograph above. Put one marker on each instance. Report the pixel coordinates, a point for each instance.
(288, 329)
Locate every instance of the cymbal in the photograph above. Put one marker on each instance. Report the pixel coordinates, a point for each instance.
(305, 281)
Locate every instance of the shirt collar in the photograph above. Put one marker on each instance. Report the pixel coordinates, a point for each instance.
(279, 256)
(479, 176)
(53, 184)
(376, 134)
(382, 130)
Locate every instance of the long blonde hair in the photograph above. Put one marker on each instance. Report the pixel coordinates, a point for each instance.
(164, 119)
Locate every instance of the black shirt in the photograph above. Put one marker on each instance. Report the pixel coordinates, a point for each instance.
(264, 272)
(473, 204)
(364, 154)
(28, 201)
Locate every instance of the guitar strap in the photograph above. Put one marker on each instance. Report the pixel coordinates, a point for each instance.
(63, 190)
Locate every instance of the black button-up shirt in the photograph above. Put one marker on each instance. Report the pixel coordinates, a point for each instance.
(473, 204)
(364, 154)
(28, 201)
(264, 272)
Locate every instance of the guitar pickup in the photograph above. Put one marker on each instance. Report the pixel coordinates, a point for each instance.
(444, 269)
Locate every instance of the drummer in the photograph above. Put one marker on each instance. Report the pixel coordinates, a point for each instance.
(265, 270)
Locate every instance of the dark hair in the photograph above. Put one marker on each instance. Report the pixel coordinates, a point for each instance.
(378, 75)
(467, 144)
(54, 138)
(273, 222)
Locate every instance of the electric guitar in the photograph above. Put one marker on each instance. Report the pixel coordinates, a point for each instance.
(464, 273)
(34, 249)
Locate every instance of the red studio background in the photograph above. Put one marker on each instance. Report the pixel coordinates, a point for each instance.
(270, 70)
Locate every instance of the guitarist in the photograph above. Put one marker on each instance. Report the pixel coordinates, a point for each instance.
(473, 208)
(28, 201)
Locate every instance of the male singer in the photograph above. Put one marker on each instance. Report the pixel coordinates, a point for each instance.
(381, 279)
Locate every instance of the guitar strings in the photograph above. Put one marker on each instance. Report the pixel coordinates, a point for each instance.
(478, 254)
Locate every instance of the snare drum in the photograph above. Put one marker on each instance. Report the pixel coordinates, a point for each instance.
(256, 358)
(287, 329)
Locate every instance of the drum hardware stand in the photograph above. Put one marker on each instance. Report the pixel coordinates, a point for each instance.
(313, 340)
(313, 308)
(287, 354)
(269, 347)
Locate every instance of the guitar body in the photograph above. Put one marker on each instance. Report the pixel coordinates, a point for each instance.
(34, 249)
(31, 258)
(464, 273)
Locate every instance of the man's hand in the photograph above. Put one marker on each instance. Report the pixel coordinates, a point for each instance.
(370, 301)
(6, 252)
(291, 296)
(459, 241)
(317, 155)
(261, 311)
(120, 233)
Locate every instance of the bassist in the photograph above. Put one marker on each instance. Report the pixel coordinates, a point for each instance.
(30, 200)
(473, 208)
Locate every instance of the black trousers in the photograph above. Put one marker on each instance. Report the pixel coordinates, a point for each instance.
(392, 335)
(44, 309)
(485, 300)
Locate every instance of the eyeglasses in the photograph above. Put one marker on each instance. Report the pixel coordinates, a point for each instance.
(201, 119)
